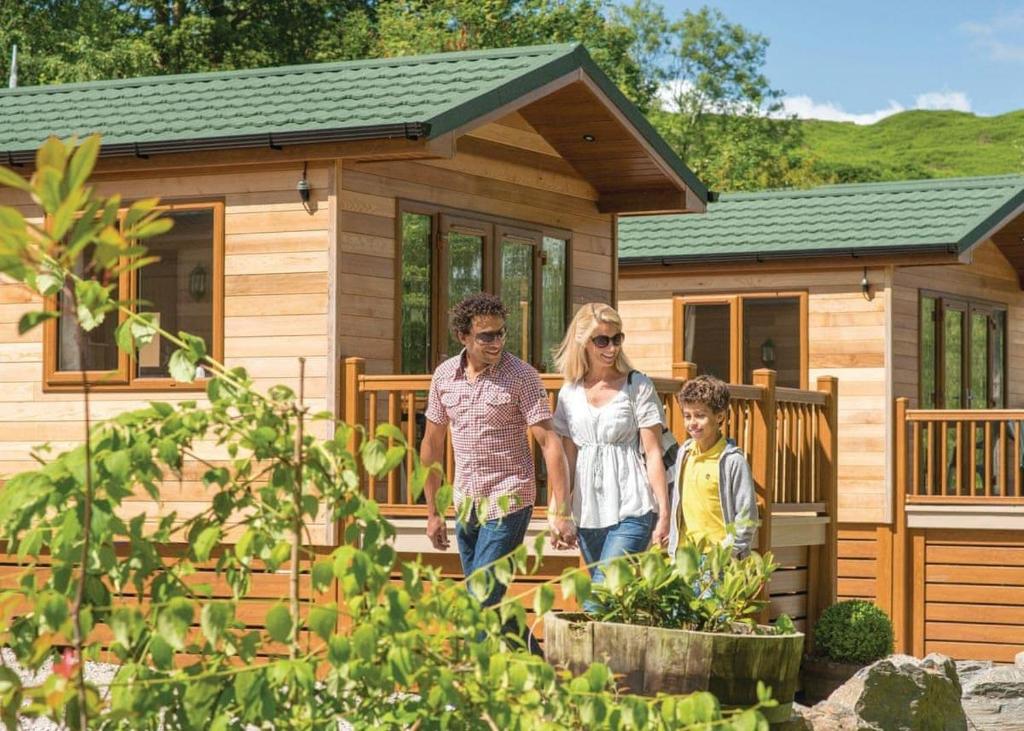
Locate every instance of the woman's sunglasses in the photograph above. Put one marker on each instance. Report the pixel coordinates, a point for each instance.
(603, 341)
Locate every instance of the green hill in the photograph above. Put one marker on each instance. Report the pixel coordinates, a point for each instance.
(918, 144)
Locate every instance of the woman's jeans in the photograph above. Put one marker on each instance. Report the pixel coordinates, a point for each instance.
(630, 535)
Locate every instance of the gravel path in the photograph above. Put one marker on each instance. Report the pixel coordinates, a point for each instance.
(100, 673)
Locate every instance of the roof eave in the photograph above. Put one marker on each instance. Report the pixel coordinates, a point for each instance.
(757, 257)
(271, 140)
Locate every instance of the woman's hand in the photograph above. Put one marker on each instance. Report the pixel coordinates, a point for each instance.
(563, 531)
(661, 531)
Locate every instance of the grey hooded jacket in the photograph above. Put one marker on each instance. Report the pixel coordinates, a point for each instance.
(735, 490)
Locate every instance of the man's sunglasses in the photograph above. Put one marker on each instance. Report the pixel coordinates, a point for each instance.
(603, 341)
(489, 336)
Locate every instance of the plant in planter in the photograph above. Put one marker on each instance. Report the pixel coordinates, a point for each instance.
(848, 636)
(682, 625)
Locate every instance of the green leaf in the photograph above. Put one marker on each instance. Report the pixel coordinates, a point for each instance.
(181, 366)
(364, 641)
(204, 544)
(82, 162)
(214, 619)
(544, 599)
(174, 621)
(30, 319)
(322, 619)
(279, 623)
(323, 575)
(11, 179)
(48, 284)
(373, 456)
(54, 610)
(118, 464)
(161, 652)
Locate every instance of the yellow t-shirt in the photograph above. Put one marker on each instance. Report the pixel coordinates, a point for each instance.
(702, 506)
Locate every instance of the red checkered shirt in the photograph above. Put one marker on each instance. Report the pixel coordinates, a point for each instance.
(488, 421)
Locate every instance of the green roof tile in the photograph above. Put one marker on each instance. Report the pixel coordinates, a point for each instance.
(442, 91)
(948, 214)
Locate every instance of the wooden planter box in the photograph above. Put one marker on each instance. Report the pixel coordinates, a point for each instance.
(652, 660)
(820, 677)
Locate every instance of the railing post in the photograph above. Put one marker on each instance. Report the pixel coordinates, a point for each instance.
(352, 403)
(682, 371)
(902, 599)
(763, 450)
(824, 593)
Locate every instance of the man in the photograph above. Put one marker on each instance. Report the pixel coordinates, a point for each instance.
(488, 398)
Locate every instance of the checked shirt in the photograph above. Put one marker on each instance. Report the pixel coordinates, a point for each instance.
(488, 421)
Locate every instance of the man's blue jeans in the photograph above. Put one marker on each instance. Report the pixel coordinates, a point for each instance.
(630, 535)
(484, 543)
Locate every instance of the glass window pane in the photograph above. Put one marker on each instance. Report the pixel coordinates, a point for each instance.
(927, 365)
(707, 332)
(953, 358)
(979, 395)
(465, 272)
(553, 300)
(517, 294)
(179, 287)
(771, 338)
(416, 230)
(100, 350)
(998, 360)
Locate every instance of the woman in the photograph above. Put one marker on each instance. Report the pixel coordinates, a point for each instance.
(605, 417)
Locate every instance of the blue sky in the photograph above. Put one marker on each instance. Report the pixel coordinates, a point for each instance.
(859, 61)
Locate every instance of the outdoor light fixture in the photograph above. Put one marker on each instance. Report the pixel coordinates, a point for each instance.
(865, 288)
(589, 138)
(303, 185)
(197, 282)
(768, 352)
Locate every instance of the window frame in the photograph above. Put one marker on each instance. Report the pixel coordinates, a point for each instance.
(735, 302)
(968, 306)
(492, 228)
(123, 379)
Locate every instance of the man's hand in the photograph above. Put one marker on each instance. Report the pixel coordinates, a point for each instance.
(660, 536)
(563, 531)
(437, 532)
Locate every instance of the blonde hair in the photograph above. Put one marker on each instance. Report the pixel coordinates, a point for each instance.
(571, 357)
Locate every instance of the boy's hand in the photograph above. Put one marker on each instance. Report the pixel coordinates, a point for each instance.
(661, 531)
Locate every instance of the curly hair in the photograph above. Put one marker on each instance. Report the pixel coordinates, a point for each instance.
(706, 390)
(460, 317)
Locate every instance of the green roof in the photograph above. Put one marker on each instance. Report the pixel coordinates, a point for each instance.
(949, 215)
(415, 96)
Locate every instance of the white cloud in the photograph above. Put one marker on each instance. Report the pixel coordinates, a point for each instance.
(805, 107)
(1000, 36)
(955, 100)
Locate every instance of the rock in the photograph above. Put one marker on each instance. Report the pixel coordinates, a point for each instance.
(993, 698)
(897, 692)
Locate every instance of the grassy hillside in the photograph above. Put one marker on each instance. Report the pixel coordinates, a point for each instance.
(919, 144)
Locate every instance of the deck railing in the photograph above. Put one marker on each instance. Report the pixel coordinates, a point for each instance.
(959, 456)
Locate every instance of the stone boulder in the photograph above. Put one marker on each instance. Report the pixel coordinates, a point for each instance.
(993, 696)
(897, 692)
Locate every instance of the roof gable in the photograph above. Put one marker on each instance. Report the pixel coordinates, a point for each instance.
(947, 215)
(411, 97)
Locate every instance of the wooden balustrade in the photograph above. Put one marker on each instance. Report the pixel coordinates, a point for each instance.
(957, 456)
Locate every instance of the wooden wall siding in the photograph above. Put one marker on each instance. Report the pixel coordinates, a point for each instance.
(973, 590)
(846, 339)
(988, 277)
(276, 264)
(864, 553)
(503, 169)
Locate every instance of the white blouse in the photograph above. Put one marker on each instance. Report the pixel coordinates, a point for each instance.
(610, 482)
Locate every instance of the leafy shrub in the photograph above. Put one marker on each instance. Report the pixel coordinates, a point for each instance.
(854, 631)
(704, 588)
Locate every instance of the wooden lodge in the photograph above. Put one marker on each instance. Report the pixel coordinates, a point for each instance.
(910, 295)
(334, 212)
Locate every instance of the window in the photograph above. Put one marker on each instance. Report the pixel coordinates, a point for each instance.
(963, 353)
(185, 290)
(446, 255)
(731, 336)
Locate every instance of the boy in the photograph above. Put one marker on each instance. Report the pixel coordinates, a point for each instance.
(716, 490)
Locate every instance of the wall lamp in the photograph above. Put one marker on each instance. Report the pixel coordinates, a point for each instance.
(865, 288)
(768, 352)
(303, 185)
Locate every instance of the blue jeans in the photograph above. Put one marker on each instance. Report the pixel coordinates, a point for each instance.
(630, 535)
(484, 543)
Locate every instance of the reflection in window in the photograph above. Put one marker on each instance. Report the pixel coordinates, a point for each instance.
(178, 287)
(928, 347)
(771, 338)
(553, 288)
(100, 350)
(416, 230)
(517, 294)
(708, 337)
(465, 273)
